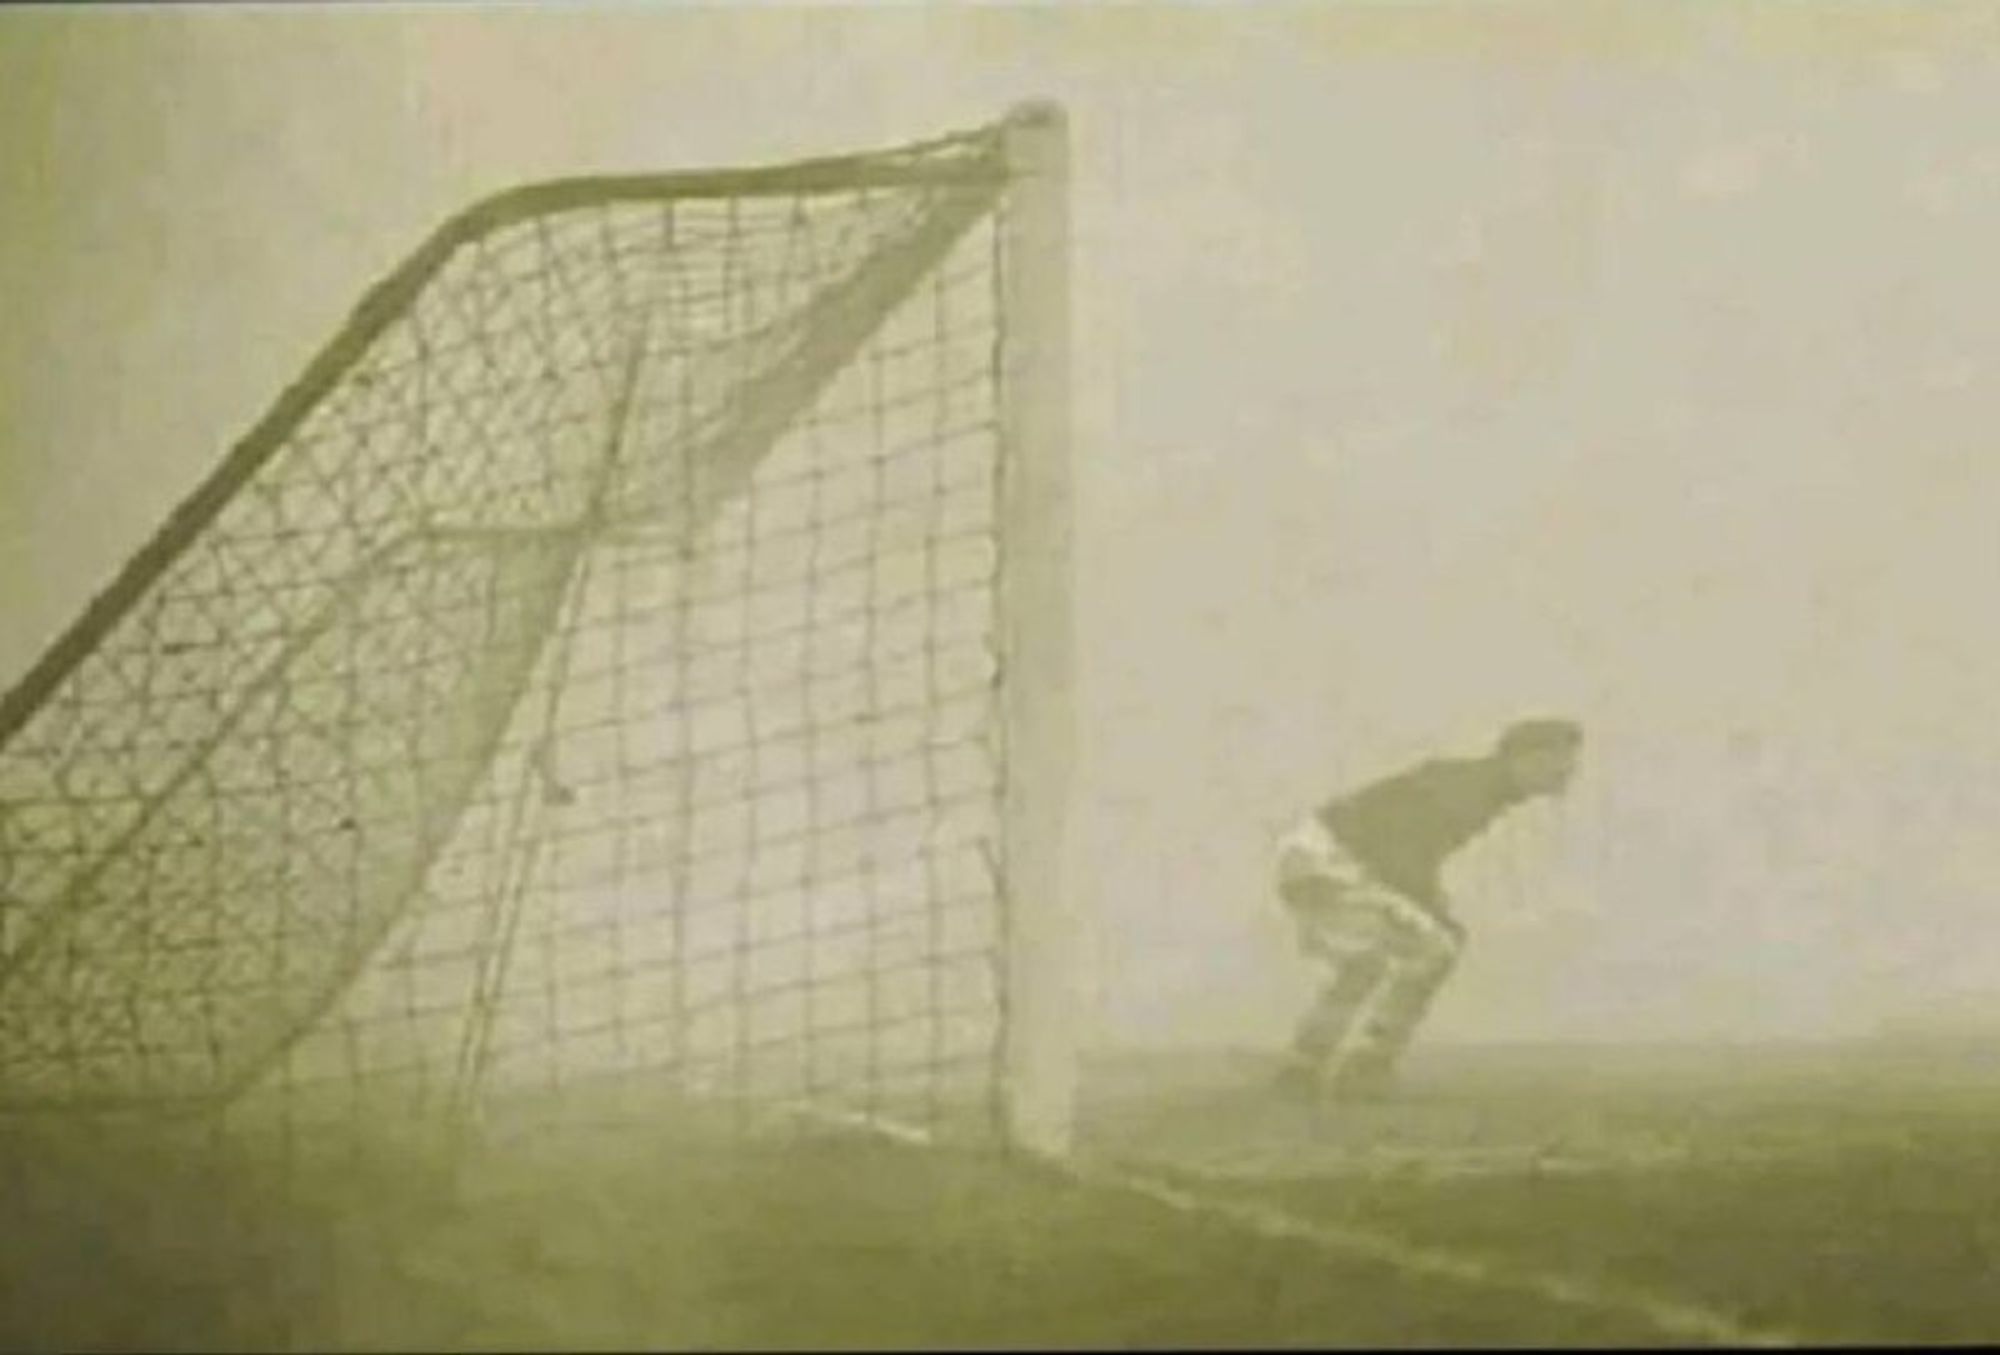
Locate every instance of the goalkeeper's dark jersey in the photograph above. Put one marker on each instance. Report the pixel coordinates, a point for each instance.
(1406, 827)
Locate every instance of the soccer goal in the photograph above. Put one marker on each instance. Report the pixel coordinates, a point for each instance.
(633, 654)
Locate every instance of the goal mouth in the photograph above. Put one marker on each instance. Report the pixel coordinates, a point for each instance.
(609, 659)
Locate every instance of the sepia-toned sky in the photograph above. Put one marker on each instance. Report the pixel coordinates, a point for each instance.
(1433, 366)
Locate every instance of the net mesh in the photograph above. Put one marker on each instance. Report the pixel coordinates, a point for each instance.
(588, 677)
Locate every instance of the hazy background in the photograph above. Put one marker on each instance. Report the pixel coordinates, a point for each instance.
(1433, 367)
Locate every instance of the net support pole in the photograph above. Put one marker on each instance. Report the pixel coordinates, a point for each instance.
(1042, 973)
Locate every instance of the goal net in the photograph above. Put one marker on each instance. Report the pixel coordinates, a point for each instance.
(626, 664)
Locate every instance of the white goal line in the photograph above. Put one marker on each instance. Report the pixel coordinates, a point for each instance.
(1461, 1163)
(1674, 1318)
(1677, 1319)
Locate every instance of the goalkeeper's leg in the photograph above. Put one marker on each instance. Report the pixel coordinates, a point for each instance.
(1423, 959)
(1353, 980)
(1341, 925)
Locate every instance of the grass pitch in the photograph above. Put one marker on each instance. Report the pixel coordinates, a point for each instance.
(1804, 1195)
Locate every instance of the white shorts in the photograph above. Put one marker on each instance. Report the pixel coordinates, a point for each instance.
(1360, 914)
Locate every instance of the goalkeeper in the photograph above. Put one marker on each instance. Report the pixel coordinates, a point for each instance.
(1360, 878)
